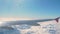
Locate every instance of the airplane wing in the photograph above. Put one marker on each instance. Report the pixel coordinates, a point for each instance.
(28, 22)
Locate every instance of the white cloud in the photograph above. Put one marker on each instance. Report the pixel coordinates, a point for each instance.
(39, 29)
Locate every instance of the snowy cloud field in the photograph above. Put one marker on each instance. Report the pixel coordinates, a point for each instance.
(48, 27)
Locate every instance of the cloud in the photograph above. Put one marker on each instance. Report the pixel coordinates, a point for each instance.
(36, 29)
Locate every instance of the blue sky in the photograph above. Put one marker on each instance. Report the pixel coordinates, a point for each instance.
(30, 8)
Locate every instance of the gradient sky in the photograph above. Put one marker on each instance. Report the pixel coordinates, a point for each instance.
(30, 8)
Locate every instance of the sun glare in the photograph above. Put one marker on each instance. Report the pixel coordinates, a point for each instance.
(0, 23)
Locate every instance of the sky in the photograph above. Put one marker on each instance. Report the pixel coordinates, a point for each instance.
(30, 8)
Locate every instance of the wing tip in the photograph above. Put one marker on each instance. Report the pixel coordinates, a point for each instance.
(57, 19)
